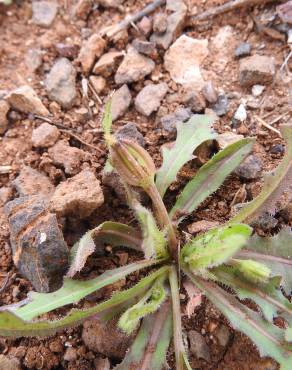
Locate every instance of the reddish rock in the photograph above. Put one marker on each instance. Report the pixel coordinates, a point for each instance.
(4, 108)
(45, 135)
(90, 51)
(107, 64)
(32, 182)
(70, 158)
(79, 196)
(257, 69)
(149, 98)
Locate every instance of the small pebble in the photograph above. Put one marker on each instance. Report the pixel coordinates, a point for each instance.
(243, 50)
(257, 90)
(240, 114)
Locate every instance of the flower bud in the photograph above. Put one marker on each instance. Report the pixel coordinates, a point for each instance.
(133, 163)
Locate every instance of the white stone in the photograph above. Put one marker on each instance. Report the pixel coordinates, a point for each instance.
(240, 114)
(257, 90)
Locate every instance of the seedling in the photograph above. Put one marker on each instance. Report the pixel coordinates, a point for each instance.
(252, 267)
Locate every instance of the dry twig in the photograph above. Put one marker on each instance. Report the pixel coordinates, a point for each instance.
(231, 5)
(268, 126)
(125, 23)
(82, 141)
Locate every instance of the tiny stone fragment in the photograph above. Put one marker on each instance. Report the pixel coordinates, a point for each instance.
(145, 26)
(102, 364)
(250, 168)
(44, 12)
(69, 51)
(221, 106)
(82, 9)
(203, 225)
(169, 121)
(222, 333)
(121, 101)
(243, 50)
(134, 67)
(98, 83)
(209, 92)
(4, 108)
(240, 114)
(90, 51)
(257, 90)
(257, 69)
(79, 196)
(33, 59)
(45, 135)
(68, 157)
(145, 47)
(149, 98)
(60, 83)
(195, 101)
(26, 100)
(227, 138)
(160, 23)
(32, 182)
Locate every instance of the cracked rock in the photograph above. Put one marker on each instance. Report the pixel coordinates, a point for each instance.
(61, 84)
(149, 98)
(70, 158)
(26, 100)
(79, 196)
(39, 250)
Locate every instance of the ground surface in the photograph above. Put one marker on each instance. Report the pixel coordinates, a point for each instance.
(17, 35)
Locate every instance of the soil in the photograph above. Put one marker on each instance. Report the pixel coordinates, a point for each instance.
(17, 35)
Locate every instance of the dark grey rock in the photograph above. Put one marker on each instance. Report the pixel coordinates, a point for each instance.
(265, 222)
(243, 50)
(39, 250)
(221, 106)
(130, 131)
(250, 168)
(195, 101)
(198, 346)
(169, 121)
(277, 149)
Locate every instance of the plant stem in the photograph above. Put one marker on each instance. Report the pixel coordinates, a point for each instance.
(164, 220)
(177, 327)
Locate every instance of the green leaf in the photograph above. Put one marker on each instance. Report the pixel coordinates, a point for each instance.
(107, 122)
(267, 296)
(12, 325)
(269, 339)
(275, 184)
(149, 349)
(274, 252)
(148, 304)
(154, 242)
(250, 270)
(113, 233)
(210, 177)
(214, 247)
(189, 136)
(74, 290)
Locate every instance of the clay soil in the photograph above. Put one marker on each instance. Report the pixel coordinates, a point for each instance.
(17, 35)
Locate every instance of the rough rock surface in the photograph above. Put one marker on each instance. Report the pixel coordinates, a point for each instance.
(134, 67)
(68, 157)
(175, 22)
(99, 337)
(4, 108)
(60, 83)
(44, 12)
(149, 98)
(79, 196)
(90, 51)
(26, 100)
(38, 247)
(130, 131)
(257, 69)
(32, 182)
(121, 101)
(45, 135)
(106, 65)
(198, 346)
(185, 70)
(169, 121)
(250, 168)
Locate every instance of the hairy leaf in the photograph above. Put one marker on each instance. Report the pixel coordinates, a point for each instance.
(154, 242)
(214, 247)
(74, 290)
(113, 233)
(148, 352)
(12, 325)
(148, 304)
(189, 136)
(107, 122)
(275, 252)
(267, 296)
(253, 271)
(270, 339)
(275, 184)
(210, 177)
